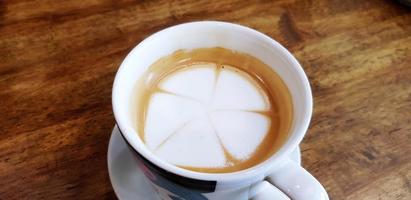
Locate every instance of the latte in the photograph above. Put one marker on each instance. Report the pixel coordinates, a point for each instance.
(212, 110)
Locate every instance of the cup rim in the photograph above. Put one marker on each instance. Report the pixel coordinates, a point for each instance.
(258, 171)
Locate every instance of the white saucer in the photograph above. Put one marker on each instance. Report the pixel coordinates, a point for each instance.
(126, 178)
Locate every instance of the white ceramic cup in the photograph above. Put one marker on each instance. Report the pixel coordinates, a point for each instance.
(276, 178)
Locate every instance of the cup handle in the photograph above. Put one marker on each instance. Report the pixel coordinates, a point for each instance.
(297, 182)
(265, 191)
(293, 180)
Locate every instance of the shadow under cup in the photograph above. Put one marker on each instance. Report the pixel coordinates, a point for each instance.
(207, 35)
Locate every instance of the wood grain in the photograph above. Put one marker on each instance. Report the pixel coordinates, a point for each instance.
(58, 60)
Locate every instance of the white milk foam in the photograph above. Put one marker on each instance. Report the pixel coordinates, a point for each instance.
(202, 115)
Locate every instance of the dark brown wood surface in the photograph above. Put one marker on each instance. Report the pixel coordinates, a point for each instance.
(58, 60)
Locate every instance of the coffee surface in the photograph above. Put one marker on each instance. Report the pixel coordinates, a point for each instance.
(212, 110)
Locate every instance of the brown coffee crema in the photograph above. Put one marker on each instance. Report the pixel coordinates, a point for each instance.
(268, 82)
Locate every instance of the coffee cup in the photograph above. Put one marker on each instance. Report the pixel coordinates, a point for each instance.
(278, 177)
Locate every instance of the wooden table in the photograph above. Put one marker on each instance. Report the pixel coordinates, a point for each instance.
(58, 60)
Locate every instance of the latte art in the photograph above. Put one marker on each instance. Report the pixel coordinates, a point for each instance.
(206, 111)
(211, 116)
